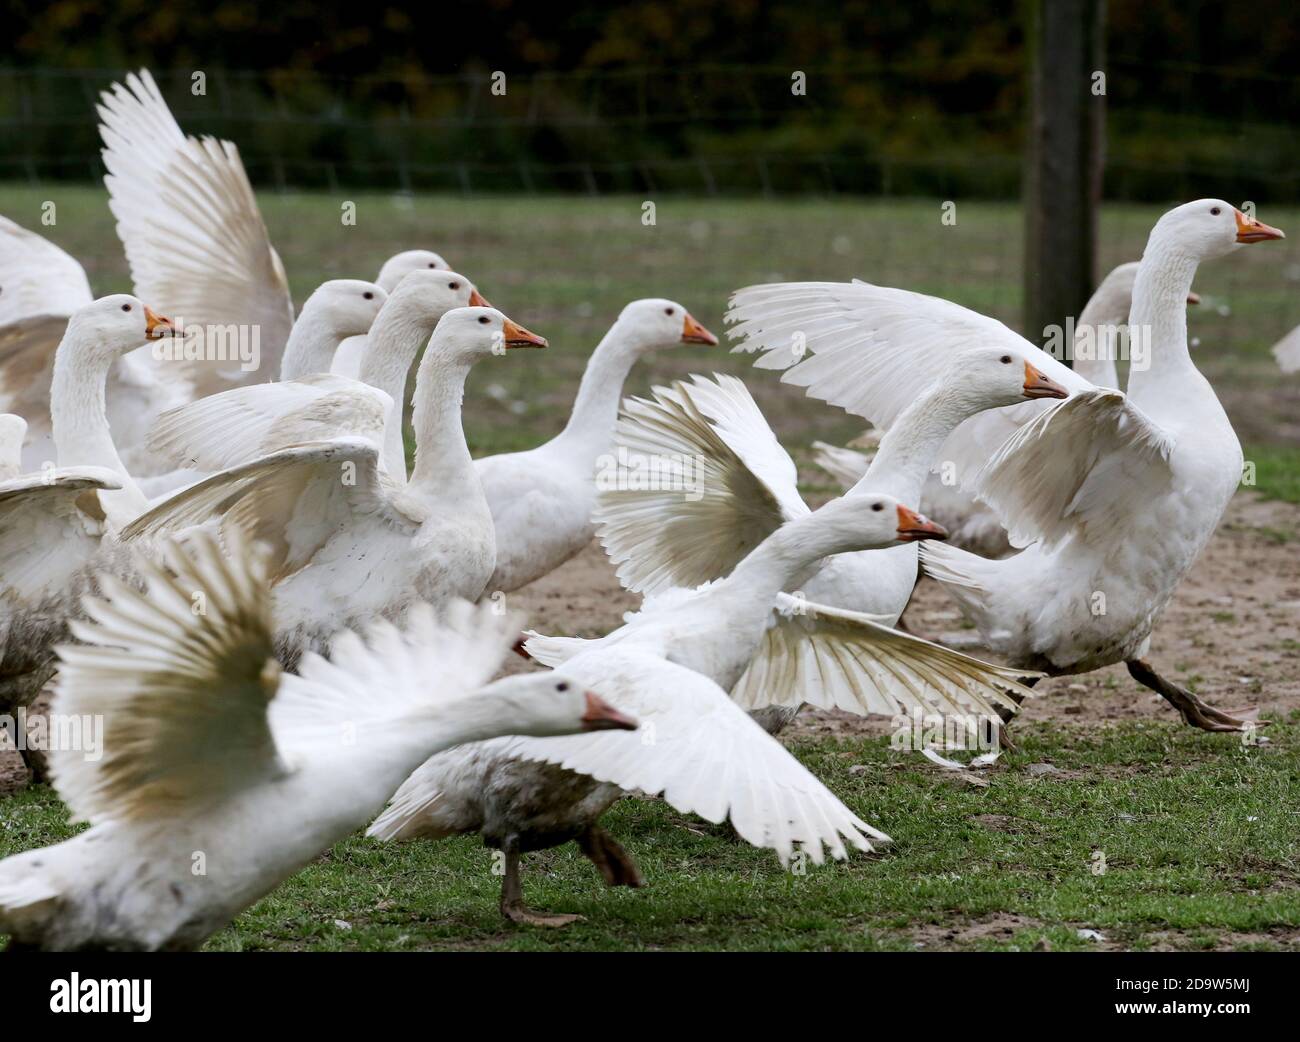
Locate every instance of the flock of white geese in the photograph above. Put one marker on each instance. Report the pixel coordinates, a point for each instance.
(290, 635)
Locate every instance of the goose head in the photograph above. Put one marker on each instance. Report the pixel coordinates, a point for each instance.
(113, 325)
(547, 704)
(465, 335)
(424, 295)
(398, 266)
(991, 377)
(655, 322)
(348, 306)
(872, 520)
(1209, 228)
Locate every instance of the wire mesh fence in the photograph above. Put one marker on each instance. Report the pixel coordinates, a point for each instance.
(951, 129)
(923, 133)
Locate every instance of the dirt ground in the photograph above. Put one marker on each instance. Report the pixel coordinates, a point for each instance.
(1233, 628)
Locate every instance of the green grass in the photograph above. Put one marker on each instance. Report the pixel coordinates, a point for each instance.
(1277, 471)
(1198, 833)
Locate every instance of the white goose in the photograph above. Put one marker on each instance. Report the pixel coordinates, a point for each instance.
(972, 525)
(309, 404)
(52, 520)
(41, 286)
(351, 543)
(542, 499)
(208, 748)
(675, 661)
(1109, 495)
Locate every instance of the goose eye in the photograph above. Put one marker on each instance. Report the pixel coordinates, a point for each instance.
(562, 687)
(1216, 210)
(668, 311)
(1006, 359)
(453, 285)
(877, 506)
(483, 320)
(126, 307)
(433, 266)
(368, 295)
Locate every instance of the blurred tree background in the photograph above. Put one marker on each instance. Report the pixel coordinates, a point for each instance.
(661, 95)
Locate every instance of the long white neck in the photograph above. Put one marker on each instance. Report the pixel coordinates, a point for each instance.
(590, 429)
(910, 446)
(82, 436)
(394, 340)
(443, 466)
(1159, 316)
(788, 554)
(352, 788)
(311, 347)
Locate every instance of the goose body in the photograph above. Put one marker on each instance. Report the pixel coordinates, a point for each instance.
(227, 776)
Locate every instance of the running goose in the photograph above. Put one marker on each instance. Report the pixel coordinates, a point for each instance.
(703, 754)
(1111, 496)
(220, 776)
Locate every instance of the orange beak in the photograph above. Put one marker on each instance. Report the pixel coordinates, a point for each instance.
(1250, 230)
(518, 336)
(476, 300)
(601, 716)
(1193, 298)
(156, 327)
(913, 527)
(1037, 385)
(694, 333)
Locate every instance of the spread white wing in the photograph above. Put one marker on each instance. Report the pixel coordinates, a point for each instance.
(1087, 467)
(740, 485)
(294, 501)
(194, 237)
(836, 659)
(237, 426)
(704, 754)
(36, 277)
(871, 350)
(50, 527)
(180, 675)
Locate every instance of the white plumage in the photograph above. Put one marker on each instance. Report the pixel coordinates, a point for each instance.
(219, 777)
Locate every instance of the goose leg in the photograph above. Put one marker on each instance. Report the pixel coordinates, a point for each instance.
(35, 762)
(1006, 715)
(1193, 711)
(607, 854)
(512, 896)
